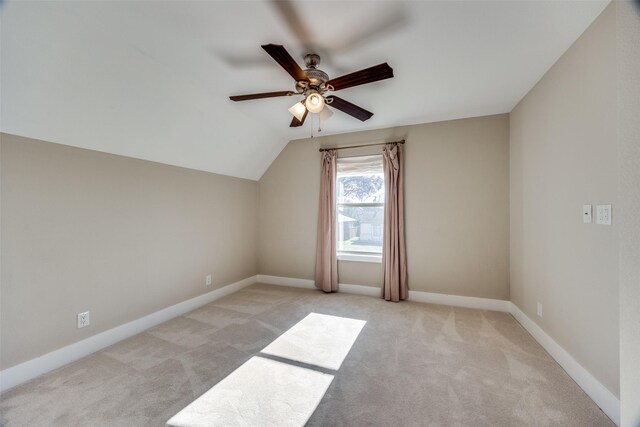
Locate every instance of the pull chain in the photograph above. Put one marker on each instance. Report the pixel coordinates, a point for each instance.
(312, 126)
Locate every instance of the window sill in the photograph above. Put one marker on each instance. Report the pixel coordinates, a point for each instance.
(360, 258)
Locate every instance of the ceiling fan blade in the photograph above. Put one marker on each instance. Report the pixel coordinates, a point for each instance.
(368, 75)
(261, 95)
(295, 122)
(349, 108)
(290, 16)
(390, 17)
(285, 60)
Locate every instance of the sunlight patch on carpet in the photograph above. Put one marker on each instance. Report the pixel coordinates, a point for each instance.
(260, 392)
(284, 384)
(318, 339)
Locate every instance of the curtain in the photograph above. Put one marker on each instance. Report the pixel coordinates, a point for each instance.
(326, 275)
(394, 263)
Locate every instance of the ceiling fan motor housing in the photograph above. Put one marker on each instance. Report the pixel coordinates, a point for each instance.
(316, 77)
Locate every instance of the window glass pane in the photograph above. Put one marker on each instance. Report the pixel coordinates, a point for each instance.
(360, 228)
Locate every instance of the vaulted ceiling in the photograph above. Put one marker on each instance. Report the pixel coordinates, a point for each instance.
(151, 79)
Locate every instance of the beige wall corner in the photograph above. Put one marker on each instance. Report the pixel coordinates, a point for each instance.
(628, 51)
(120, 237)
(456, 207)
(563, 156)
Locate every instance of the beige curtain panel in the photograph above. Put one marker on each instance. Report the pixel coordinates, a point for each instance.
(394, 263)
(326, 275)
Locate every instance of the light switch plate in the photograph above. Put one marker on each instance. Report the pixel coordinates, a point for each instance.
(603, 214)
(586, 214)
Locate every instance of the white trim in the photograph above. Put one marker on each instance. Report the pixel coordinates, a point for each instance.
(460, 301)
(418, 296)
(286, 281)
(601, 395)
(310, 284)
(373, 291)
(433, 298)
(33, 368)
(360, 258)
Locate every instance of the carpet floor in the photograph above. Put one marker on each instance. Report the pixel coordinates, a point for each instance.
(412, 364)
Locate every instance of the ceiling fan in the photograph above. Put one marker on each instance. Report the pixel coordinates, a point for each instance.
(313, 83)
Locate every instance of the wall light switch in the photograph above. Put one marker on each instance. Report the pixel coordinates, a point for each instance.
(586, 214)
(603, 214)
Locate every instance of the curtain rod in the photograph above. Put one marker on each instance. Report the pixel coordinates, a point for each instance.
(362, 145)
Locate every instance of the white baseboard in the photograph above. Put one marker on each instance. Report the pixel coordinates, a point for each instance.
(601, 395)
(26, 371)
(460, 301)
(418, 296)
(286, 281)
(372, 291)
(310, 284)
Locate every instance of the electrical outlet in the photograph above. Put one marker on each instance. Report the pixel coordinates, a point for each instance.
(540, 309)
(83, 319)
(208, 280)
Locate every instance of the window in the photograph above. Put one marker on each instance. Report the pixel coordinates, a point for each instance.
(360, 207)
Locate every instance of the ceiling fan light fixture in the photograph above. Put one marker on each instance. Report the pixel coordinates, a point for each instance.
(298, 110)
(314, 103)
(314, 83)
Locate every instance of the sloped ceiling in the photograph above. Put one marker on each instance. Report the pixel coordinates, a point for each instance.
(151, 79)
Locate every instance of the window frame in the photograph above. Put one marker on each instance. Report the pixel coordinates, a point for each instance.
(357, 256)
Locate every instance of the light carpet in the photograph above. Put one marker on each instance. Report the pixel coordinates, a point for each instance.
(412, 364)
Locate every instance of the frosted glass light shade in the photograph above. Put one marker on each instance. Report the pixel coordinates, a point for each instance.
(315, 103)
(298, 110)
(325, 114)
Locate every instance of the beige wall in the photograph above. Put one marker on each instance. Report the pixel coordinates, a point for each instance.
(563, 155)
(628, 34)
(83, 230)
(456, 207)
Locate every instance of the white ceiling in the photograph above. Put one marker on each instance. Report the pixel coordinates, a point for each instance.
(151, 80)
